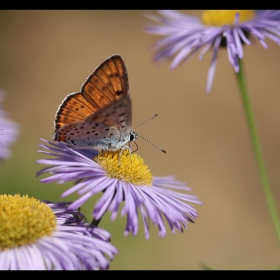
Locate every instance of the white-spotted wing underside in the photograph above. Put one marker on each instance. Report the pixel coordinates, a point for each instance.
(107, 129)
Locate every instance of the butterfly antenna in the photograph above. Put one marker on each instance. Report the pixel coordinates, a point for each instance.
(145, 122)
(147, 139)
(152, 142)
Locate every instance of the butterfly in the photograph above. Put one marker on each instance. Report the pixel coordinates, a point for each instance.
(99, 116)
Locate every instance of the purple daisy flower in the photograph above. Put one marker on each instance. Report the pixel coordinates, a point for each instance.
(8, 131)
(39, 235)
(122, 179)
(185, 35)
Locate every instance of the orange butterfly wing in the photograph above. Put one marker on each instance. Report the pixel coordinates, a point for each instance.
(74, 108)
(109, 82)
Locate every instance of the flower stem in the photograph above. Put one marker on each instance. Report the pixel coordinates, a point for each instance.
(257, 150)
(96, 222)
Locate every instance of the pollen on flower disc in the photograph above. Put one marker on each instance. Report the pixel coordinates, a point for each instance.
(126, 167)
(222, 17)
(23, 220)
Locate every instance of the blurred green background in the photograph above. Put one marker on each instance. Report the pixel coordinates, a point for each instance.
(45, 55)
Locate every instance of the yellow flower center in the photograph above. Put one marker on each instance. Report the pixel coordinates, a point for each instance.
(24, 220)
(126, 167)
(221, 17)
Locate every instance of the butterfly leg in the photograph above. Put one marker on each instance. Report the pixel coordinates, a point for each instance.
(124, 147)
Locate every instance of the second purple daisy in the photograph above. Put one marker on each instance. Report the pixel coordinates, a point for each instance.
(39, 235)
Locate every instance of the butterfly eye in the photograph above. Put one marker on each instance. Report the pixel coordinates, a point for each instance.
(133, 136)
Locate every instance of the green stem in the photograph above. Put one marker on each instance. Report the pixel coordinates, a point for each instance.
(257, 150)
(96, 222)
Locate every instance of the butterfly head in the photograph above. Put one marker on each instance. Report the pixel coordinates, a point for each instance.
(133, 136)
